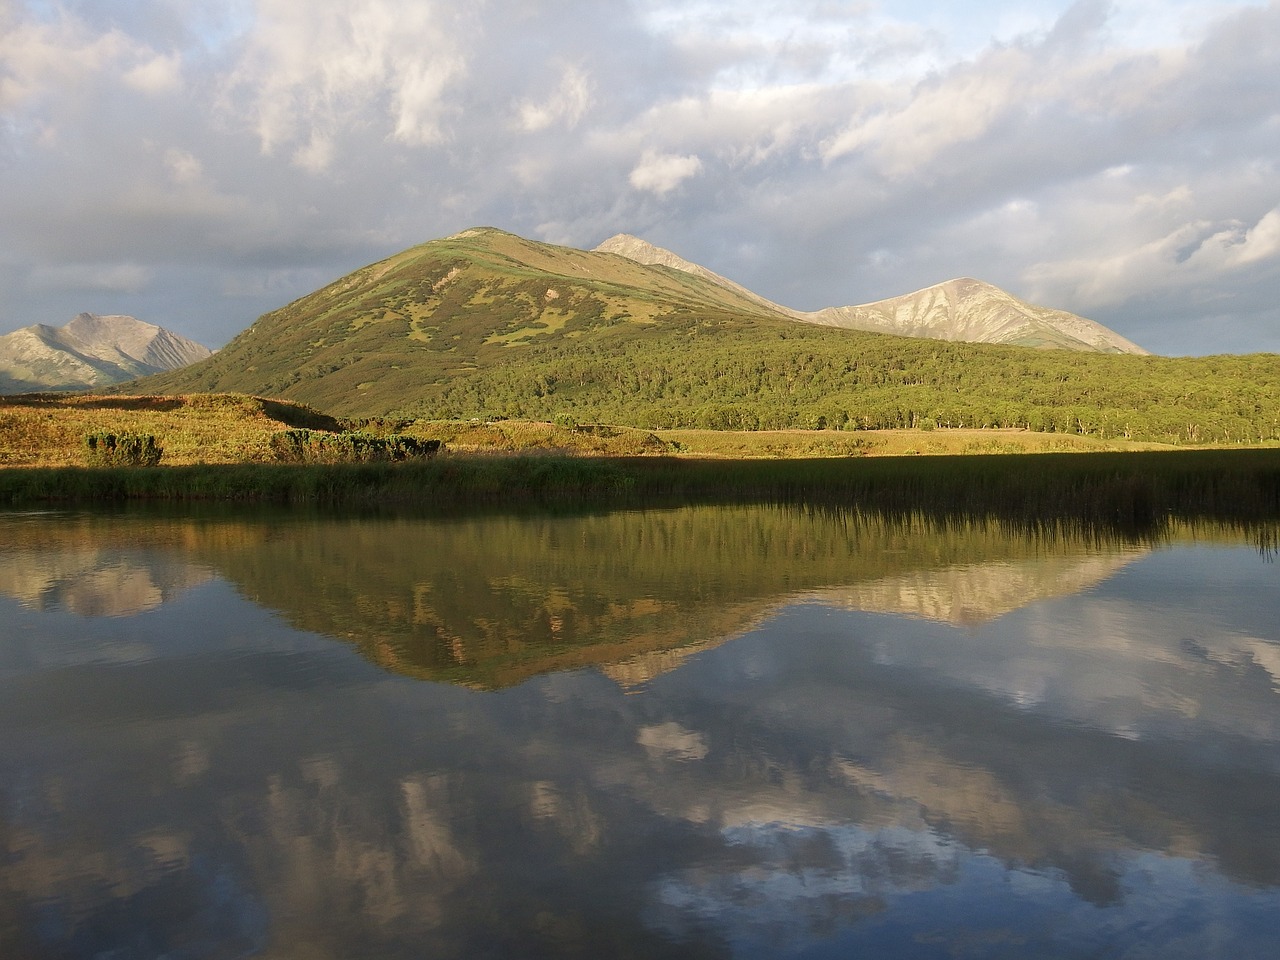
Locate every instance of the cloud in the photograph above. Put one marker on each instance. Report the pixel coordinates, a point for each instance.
(311, 72)
(566, 106)
(65, 59)
(1193, 254)
(184, 167)
(156, 75)
(661, 173)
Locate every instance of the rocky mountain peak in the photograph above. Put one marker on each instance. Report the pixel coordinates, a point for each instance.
(963, 309)
(92, 350)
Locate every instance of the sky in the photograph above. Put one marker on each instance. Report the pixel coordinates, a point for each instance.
(196, 163)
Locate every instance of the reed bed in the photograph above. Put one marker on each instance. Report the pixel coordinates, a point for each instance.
(1129, 490)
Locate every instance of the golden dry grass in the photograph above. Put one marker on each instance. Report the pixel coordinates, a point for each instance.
(50, 429)
(884, 443)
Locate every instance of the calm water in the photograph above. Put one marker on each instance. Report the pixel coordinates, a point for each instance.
(739, 732)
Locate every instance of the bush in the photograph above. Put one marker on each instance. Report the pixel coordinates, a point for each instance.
(309, 446)
(122, 450)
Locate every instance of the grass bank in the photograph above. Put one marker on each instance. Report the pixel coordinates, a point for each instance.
(1126, 489)
(49, 430)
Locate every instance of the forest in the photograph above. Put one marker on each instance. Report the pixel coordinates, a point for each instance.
(718, 376)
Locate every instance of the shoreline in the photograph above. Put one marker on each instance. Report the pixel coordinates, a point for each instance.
(1130, 489)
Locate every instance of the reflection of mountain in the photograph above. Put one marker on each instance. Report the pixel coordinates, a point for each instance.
(978, 593)
(491, 601)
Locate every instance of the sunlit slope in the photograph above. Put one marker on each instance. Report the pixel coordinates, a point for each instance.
(405, 328)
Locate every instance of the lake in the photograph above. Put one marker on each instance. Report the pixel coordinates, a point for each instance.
(746, 731)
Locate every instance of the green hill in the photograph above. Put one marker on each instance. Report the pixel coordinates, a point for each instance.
(486, 324)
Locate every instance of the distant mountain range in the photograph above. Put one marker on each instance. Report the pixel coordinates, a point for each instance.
(91, 352)
(964, 310)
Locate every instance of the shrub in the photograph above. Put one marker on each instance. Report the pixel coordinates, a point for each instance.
(309, 446)
(122, 450)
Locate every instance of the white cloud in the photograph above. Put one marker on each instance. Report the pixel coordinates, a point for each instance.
(1194, 253)
(313, 71)
(661, 173)
(156, 75)
(184, 167)
(1261, 242)
(567, 105)
(66, 58)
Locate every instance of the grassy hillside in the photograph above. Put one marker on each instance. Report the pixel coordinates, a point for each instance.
(407, 328)
(486, 324)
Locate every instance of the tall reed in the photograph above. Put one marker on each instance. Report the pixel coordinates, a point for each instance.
(1134, 490)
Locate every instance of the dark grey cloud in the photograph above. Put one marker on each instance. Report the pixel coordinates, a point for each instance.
(197, 164)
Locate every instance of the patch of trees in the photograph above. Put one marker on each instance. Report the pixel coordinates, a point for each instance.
(819, 379)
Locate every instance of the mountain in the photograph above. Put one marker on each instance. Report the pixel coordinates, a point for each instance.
(485, 324)
(411, 327)
(975, 312)
(91, 351)
(964, 310)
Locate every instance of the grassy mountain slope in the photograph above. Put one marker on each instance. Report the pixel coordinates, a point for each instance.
(486, 324)
(405, 329)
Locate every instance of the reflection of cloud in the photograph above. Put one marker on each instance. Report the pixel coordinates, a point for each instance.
(798, 879)
(670, 741)
(95, 582)
(431, 843)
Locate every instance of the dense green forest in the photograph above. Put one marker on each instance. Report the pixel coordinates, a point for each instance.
(726, 375)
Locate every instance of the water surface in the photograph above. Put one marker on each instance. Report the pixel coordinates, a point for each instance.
(707, 732)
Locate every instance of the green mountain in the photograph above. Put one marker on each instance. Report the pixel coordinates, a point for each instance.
(486, 324)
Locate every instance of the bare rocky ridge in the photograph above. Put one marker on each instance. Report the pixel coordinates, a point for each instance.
(91, 351)
(963, 309)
